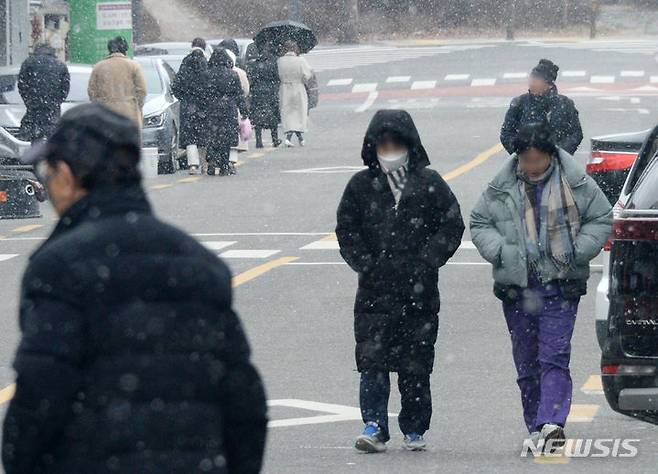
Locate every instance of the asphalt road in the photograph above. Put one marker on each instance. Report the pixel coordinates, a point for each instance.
(273, 223)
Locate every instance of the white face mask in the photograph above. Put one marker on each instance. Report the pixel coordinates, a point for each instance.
(392, 162)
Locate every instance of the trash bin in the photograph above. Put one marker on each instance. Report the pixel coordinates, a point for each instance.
(18, 195)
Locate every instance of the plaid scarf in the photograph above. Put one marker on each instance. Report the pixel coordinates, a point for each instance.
(397, 179)
(559, 219)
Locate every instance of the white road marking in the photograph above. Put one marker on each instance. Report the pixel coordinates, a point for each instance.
(644, 111)
(336, 414)
(632, 74)
(420, 85)
(613, 98)
(259, 234)
(322, 245)
(654, 79)
(574, 73)
(255, 254)
(483, 82)
(339, 82)
(602, 79)
(646, 88)
(370, 100)
(515, 75)
(328, 170)
(7, 256)
(635, 100)
(366, 87)
(393, 79)
(217, 245)
(457, 77)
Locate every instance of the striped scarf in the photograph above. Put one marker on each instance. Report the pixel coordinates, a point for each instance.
(397, 180)
(559, 220)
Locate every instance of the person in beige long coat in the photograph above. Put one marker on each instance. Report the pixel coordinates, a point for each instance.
(118, 82)
(243, 145)
(294, 72)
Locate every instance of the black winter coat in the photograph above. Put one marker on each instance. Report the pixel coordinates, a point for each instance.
(43, 83)
(397, 253)
(131, 359)
(190, 89)
(558, 110)
(264, 106)
(224, 97)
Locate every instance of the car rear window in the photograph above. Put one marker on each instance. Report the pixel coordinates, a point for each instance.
(645, 194)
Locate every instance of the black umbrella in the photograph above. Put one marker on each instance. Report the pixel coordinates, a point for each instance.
(278, 32)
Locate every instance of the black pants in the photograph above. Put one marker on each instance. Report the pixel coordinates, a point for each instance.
(259, 136)
(218, 157)
(415, 396)
(300, 135)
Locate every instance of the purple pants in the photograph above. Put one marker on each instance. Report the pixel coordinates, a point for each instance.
(541, 328)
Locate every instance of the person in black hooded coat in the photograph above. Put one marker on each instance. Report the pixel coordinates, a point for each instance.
(396, 227)
(224, 96)
(263, 73)
(543, 103)
(43, 83)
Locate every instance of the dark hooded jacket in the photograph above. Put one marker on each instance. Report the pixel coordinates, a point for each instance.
(556, 109)
(189, 87)
(397, 252)
(131, 358)
(224, 96)
(43, 83)
(263, 75)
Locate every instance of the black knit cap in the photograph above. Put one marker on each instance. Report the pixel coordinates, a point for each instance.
(546, 70)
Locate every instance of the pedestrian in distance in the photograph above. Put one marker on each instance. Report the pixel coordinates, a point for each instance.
(243, 137)
(543, 103)
(225, 102)
(118, 82)
(294, 73)
(43, 84)
(264, 105)
(540, 222)
(398, 223)
(190, 89)
(131, 358)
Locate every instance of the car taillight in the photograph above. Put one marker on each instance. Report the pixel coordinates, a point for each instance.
(616, 369)
(635, 229)
(610, 160)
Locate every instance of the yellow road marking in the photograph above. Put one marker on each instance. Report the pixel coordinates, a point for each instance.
(255, 272)
(477, 161)
(582, 413)
(7, 393)
(557, 458)
(593, 386)
(158, 187)
(27, 228)
(331, 237)
(191, 179)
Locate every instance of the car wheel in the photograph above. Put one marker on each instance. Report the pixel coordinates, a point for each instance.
(170, 164)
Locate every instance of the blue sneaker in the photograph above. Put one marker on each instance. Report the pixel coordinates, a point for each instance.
(414, 442)
(371, 440)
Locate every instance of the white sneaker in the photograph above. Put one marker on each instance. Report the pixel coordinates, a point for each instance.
(553, 436)
(302, 142)
(288, 143)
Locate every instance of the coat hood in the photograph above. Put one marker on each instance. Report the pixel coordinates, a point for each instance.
(506, 177)
(219, 58)
(400, 123)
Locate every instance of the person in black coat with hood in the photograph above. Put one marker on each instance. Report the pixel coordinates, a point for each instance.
(189, 88)
(224, 97)
(131, 359)
(43, 83)
(263, 73)
(398, 223)
(542, 103)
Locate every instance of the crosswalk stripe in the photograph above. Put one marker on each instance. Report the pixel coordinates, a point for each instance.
(339, 82)
(457, 77)
(321, 245)
(654, 79)
(420, 85)
(7, 256)
(574, 73)
(255, 254)
(395, 79)
(582, 413)
(367, 87)
(602, 79)
(218, 245)
(593, 385)
(632, 74)
(483, 82)
(27, 228)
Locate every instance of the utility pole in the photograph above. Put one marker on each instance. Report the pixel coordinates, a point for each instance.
(348, 28)
(594, 14)
(138, 21)
(511, 16)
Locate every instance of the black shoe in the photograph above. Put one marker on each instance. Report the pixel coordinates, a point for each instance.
(553, 436)
(232, 170)
(259, 145)
(211, 171)
(276, 143)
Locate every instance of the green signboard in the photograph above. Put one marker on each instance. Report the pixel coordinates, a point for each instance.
(93, 24)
